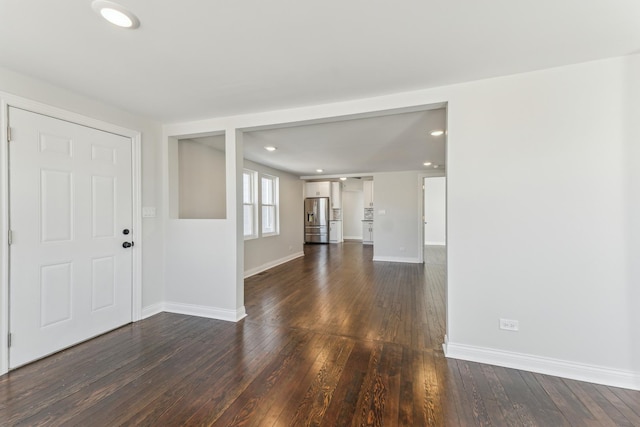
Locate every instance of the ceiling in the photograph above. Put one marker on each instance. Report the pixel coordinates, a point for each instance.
(398, 142)
(193, 59)
(354, 147)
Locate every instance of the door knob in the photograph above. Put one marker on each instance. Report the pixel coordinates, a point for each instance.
(127, 245)
(125, 231)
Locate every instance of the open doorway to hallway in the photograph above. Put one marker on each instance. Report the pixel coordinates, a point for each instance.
(435, 220)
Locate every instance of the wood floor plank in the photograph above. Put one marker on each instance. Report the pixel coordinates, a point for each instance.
(449, 374)
(429, 390)
(316, 400)
(628, 397)
(523, 401)
(331, 339)
(371, 400)
(470, 384)
(620, 405)
(603, 410)
(175, 381)
(61, 381)
(284, 412)
(408, 377)
(540, 407)
(486, 391)
(211, 392)
(152, 384)
(256, 395)
(509, 415)
(102, 391)
(345, 398)
(391, 369)
(566, 400)
(271, 405)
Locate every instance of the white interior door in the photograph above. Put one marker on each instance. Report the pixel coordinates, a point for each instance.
(70, 198)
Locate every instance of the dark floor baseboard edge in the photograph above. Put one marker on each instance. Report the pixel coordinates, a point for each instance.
(409, 260)
(152, 310)
(545, 365)
(195, 310)
(271, 264)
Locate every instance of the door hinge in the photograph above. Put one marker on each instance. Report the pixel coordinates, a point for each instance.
(8, 133)
(9, 340)
(10, 237)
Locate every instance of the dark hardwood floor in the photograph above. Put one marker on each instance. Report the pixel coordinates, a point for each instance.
(332, 339)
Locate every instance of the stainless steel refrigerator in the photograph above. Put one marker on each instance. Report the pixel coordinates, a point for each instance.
(316, 220)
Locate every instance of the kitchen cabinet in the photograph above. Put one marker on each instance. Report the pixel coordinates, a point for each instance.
(367, 232)
(336, 195)
(335, 231)
(317, 189)
(367, 188)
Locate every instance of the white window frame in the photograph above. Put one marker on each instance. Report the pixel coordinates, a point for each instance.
(275, 203)
(251, 201)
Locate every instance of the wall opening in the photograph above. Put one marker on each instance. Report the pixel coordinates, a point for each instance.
(199, 178)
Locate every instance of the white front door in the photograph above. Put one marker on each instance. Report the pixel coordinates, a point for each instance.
(70, 203)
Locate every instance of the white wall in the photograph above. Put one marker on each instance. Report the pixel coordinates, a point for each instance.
(541, 202)
(632, 198)
(265, 252)
(204, 257)
(435, 210)
(152, 238)
(397, 234)
(537, 209)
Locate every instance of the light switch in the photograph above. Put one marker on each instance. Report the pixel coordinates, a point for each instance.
(149, 212)
(382, 212)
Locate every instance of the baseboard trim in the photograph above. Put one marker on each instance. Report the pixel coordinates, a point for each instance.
(271, 264)
(152, 310)
(206, 311)
(435, 243)
(544, 365)
(397, 259)
(352, 238)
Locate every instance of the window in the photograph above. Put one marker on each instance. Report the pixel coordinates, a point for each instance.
(269, 187)
(249, 203)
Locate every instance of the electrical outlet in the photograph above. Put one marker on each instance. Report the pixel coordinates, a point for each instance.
(509, 325)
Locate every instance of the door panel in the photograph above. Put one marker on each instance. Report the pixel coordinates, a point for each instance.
(55, 293)
(56, 202)
(103, 206)
(70, 198)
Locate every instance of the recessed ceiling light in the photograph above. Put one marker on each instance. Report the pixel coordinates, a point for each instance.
(427, 163)
(436, 166)
(343, 179)
(437, 133)
(319, 170)
(115, 14)
(270, 148)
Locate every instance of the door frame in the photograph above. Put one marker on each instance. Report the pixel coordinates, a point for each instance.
(8, 100)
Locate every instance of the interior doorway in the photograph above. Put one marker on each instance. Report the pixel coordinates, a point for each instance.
(435, 219)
